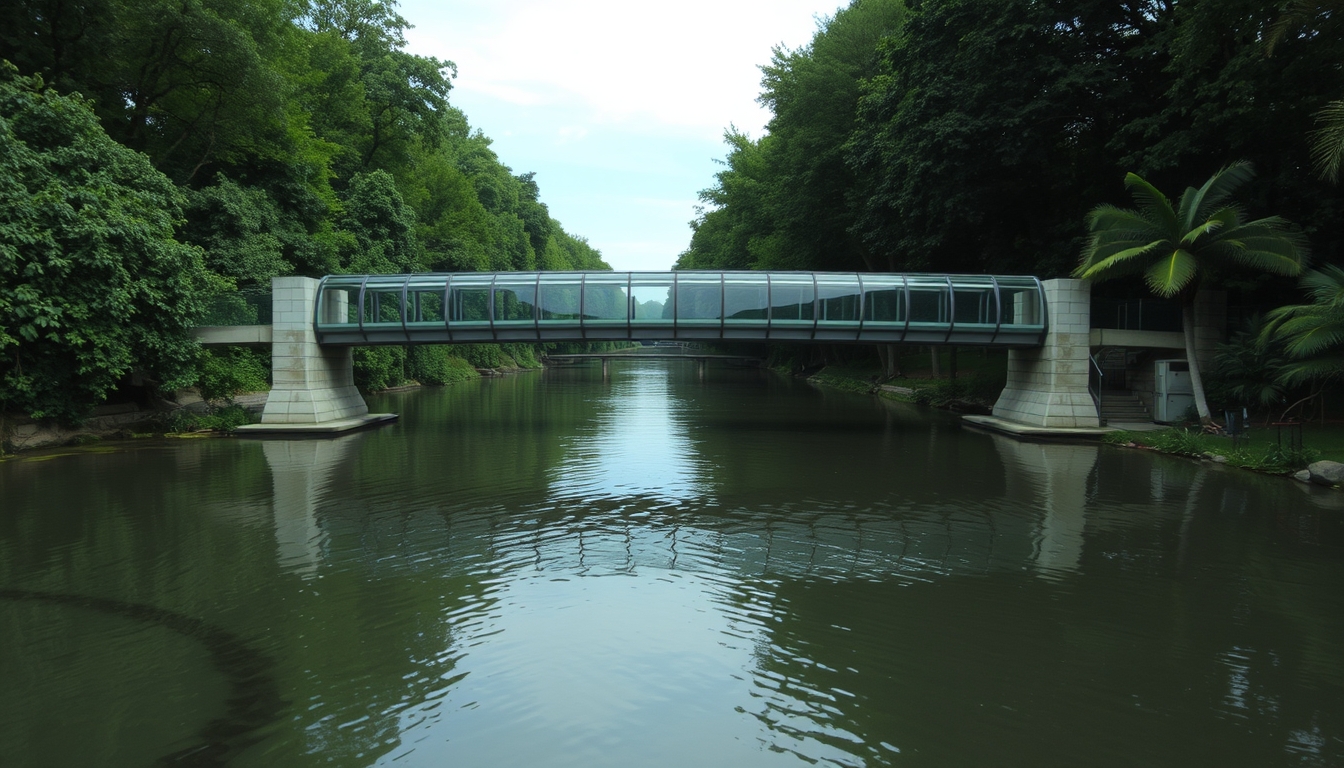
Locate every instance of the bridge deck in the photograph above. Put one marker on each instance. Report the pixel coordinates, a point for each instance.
(988, 310)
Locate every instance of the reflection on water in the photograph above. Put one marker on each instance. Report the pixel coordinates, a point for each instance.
(562, 570)
(637, 446)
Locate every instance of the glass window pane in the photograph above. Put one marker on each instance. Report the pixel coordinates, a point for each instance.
(604, 297)
(699, 297)
(651, 296)
(791, 298)
(883, 299)
(559, 298)
(928, 299)
(515, 299)
(1021, 302)
(974, 299)
(339, 304)
(746, 297)
(838, 298)
(469, 301)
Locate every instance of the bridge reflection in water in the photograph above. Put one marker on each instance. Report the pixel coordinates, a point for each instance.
(917, 543)
(986, 310)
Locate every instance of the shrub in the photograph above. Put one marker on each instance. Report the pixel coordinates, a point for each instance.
(437, 365)
(227, 372)
(379, 368)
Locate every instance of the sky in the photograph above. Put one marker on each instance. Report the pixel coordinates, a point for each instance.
(618, 107)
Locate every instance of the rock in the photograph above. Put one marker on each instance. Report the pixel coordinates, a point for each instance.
(1328, 473)
(1217, 459)
(1302, 476)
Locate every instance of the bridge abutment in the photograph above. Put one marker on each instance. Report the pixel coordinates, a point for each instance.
(312, 387)
(1047, 385)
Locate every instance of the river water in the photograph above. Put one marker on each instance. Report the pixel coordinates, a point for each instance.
(663, 569)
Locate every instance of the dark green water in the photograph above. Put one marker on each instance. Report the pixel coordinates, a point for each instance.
(556, 570)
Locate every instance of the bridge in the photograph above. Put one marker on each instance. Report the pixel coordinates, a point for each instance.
(981, 310)
(316, 322)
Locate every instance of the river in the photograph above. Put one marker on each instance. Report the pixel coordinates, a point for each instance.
(663, 569)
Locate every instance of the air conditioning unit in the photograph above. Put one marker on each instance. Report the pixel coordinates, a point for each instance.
(1173, 393)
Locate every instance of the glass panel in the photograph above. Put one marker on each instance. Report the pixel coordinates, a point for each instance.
(883, 299)
(470, 299)
(974, 299)
(839, 298)
(791, 298)
(560, 297)
(651, 296)
(746, 297)
(382, 302)
(699, 297)
(604, 297)
(515, 299)
(339, 304)
(424, 300)
(1021, 302)
(928, 299)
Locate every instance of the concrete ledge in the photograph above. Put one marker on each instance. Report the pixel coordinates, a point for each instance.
(233, 335)
(316, 428)
(1030, 432)
(1111, 337)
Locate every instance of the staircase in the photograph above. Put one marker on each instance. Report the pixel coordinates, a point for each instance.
(1122, 406)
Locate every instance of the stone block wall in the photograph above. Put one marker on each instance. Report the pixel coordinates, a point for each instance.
(1047, 386)
(310, 384)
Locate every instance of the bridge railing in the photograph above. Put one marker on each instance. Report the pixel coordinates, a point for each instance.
(689, 305)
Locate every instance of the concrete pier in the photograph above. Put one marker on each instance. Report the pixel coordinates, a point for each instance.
(313, 387)
(1047, 385)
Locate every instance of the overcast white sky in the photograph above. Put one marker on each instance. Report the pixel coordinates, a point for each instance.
(619, 107)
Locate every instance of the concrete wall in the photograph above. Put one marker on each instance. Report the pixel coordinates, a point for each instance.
(1047, 386)
(310, 384)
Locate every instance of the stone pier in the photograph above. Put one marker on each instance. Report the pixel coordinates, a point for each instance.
(1047, 385)
(312, 387)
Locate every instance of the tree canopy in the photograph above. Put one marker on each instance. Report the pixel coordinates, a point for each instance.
(93, 284)
(975, 135)
(277, 137)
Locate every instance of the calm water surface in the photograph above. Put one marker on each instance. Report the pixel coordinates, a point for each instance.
(654, 570)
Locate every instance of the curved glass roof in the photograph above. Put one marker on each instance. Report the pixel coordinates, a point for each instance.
(463, 308)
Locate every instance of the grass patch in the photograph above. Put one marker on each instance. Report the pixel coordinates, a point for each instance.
(223, 419)
(1262, 456)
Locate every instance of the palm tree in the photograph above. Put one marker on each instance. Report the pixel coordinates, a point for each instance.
(1172, 247)
(1313, 334)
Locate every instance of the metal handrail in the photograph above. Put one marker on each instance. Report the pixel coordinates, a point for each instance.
(1096, 390)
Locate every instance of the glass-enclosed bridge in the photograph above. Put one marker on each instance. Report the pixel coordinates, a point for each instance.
(460, 308)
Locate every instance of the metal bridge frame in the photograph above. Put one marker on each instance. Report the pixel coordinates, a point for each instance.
(828, 307)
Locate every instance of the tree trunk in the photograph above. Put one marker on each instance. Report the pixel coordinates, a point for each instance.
(952, 363)
(934, 362)
(1196, 380)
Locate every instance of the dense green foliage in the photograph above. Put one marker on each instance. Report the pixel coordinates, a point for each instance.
(93, 286)
(283, 137)
(1175, 247)
(975, 135)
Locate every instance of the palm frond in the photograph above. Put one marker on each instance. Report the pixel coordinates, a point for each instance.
(1115, 262)
(1294, 15)
(1327, 141)
(1154, 205)
(1169, 274)
(1326, 285)
(1198, 204)
(1323, 367)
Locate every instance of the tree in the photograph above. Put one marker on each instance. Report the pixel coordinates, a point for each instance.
(1313, 334)
(1174, 247)
(93, 285)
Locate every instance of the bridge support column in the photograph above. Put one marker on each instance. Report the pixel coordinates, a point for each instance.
(1047, 385)
(313, 388)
